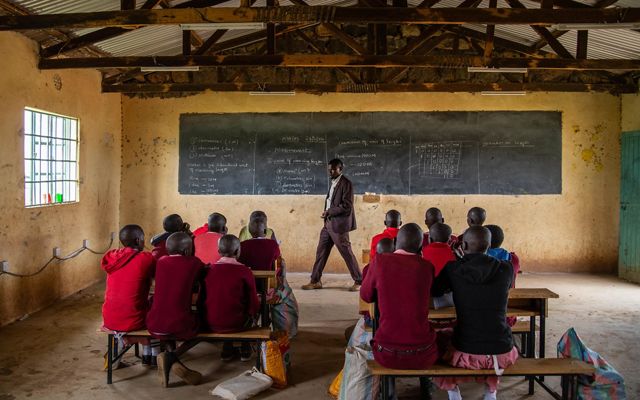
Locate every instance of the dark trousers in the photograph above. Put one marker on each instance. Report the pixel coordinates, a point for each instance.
(327, 240)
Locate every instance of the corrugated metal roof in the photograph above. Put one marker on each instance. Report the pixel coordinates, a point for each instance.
(167, 40)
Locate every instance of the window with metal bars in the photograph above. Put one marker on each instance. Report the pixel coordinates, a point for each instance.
(50, 158)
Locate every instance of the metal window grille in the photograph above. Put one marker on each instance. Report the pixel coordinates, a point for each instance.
(50, 158)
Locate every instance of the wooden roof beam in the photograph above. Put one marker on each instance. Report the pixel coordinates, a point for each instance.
(340, 60)
(322, 14)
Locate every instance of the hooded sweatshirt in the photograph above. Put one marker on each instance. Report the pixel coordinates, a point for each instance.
(129, 274)
(480, 286)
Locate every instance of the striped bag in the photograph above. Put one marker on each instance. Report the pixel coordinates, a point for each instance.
(605, 384)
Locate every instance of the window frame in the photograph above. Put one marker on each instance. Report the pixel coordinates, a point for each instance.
(66, 164)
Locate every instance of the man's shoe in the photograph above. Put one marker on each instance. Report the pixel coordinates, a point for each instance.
(312, 286)
(245, 352)
(355, 287)
(188, 375)
(228, 351)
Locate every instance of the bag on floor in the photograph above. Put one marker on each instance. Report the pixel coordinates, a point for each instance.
(605, 384)
(285, 348)
(360, 337)
(243, 386)
(334, 388)
(273, 363)
(284, 312)
(357, 381)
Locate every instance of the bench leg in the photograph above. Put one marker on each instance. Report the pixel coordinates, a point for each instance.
(574, 387)
(137, 350)
(259, 356)
(109, 359)
(425, 388)
(384, 388)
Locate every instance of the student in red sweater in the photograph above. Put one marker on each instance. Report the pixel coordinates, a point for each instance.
(482, 338)
(171, 317)
(231, 301)
(171, 224)
(432, 216)
(129, 274)
(400, 283)
(207, 244)
(259, 253)
(437, 251)
(392, 221)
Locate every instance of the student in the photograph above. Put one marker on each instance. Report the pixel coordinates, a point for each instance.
(170, 317)
(475, 217)
(400, 283)
(126, 298)
(207, 244)
(437, 251)
(392, 221)
(482, 338)
(201, 230)
(171, 224)
(259, 253)
(246, 235)
(497, 237)
(432, 216)
(231, 301)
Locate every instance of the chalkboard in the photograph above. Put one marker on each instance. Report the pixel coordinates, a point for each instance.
(384, 152)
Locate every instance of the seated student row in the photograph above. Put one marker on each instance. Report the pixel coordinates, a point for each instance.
(403, 277)
(208, 272)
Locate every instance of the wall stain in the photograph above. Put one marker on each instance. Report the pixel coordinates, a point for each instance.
(591, 152)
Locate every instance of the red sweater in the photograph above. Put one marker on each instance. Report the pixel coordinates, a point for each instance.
(230, 296)
(453, 240)
(438, 254)
(170, 313)
(203, 229)
(206, 245)
(259, 254)
(126, 298)
(401, 285)
(390, 233)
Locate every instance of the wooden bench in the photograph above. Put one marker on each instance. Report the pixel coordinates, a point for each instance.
(566, 368)
(269, 278)
(257, 335)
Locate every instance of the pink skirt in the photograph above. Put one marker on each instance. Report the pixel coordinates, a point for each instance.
(460, 359)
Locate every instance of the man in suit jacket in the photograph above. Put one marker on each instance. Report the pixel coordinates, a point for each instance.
(339, 219)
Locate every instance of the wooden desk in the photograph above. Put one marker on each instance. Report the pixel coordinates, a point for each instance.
(266, 276)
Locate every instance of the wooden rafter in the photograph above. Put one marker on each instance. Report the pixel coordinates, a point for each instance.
(300, 14)
(504, 44)
(340, 60)
(370, 88)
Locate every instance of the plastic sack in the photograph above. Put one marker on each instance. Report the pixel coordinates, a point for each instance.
(284, 311)
(243, 386)
(357, 381)
(285, 348)
(360, 337)
(334, 388)
(605, 384)
(273, 363)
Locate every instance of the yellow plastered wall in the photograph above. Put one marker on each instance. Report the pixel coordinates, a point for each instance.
(574, 231)
(28, 235)
(630, 118)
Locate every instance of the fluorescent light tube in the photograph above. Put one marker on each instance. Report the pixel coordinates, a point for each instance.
(185, 68)
(275, 93)
(222, 25)
(503, 93)
(498, 70)
(581, 27)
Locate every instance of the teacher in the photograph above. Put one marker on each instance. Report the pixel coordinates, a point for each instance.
(339, 219)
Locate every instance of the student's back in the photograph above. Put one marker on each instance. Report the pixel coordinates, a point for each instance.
(480, 286)
(170, 314)
(401, 283)
(259, 254)
(230, 296)
(206, 245)
(438, 254)
(126, 297)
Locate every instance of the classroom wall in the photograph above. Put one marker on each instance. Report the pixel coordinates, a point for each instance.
(574, 231)
(28, 235)
(630, 112)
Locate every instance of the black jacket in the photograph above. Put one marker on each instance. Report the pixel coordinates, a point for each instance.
(480, 286)
(341, 215)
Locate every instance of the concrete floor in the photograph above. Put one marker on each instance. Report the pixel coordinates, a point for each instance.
(57, 354)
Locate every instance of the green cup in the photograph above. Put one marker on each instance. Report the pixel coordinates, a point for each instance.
(58, 197)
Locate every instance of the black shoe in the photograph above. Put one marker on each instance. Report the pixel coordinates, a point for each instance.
(228, 351)
(245, 352)
(154, 361)
(146, 360)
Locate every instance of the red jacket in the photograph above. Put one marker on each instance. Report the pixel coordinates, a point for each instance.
(126, 298)
(438, 254)
(259, 254)
(230, 296)
(401, 286)
(453, 240)
(206, 246)
(390, 233)
(170, 314)
(203, 229)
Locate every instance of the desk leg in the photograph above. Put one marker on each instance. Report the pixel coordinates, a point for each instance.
(264, 306)
(531, 349)
(543, 313)
(109, 359)
(259, 356)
